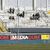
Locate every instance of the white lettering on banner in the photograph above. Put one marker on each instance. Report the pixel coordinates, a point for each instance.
(13, 37)
(22, 37)
(18, 37)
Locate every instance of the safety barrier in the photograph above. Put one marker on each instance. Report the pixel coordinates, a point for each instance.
(25, 39)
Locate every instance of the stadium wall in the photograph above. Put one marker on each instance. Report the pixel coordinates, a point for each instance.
(29, 39)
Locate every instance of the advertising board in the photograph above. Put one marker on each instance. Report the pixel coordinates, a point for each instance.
(18, 37)
(4, 37)
(34, 37)
(44, 37)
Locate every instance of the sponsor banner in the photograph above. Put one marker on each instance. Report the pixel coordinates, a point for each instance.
(29, 37)
(44, 37)
(34, 37)
(18, 37)
(4, 37)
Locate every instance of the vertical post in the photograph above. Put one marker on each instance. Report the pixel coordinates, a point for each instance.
(18, 19)
(46, 5)
(17, 3)
(33, 4)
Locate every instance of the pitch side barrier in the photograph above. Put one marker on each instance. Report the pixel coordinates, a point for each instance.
(24, 38)
(29, 30)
